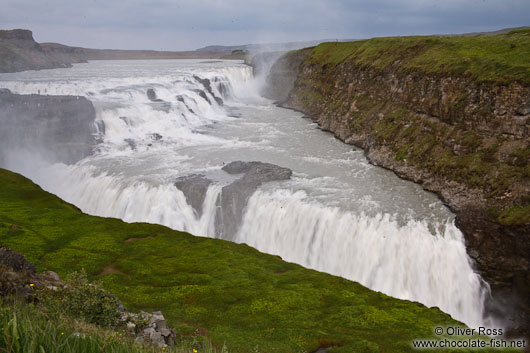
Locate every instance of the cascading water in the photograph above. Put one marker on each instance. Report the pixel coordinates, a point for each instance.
(168, 119)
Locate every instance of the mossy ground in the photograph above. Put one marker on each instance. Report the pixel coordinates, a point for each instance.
(492, 58)
(230, 293)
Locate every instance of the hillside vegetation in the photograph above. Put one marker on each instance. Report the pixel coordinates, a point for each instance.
(231, 293)
(496, 58)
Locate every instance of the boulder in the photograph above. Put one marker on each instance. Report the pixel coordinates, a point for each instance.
(15, 260)
(234, 197)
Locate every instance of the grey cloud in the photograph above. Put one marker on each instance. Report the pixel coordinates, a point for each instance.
(187, 24)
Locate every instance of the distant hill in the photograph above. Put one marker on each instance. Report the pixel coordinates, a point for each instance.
(268, 47)
(20, 52)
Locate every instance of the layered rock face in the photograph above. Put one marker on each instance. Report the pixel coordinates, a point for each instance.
(234, 196)
(465, 139)
(282, 72)
(19, 52)
(55, 128)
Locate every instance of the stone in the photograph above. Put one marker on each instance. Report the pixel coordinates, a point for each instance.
(194, 187)
(234, 197)
(156, 338)
(15, 260)
(151, 95)
(52, 276)
(165, 332)
(148, 332)
(161, 325)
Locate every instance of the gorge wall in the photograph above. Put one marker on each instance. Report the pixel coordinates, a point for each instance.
(53, 128)
(20, 52)
(449, 113)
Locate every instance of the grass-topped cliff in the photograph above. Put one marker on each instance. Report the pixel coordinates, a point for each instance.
(230, 293)
(450, 113)
(457, 107)
(485, 58)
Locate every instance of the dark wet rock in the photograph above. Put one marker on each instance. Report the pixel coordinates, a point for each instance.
(151, 94)
(194, 187)
(208, 86)
(223, 87)
(15, 260)
(56, 128)
(503, 258)
(203, 95)
(131, 143)
(156, 136)
(161, 106)
(234, 197)
(180, 98)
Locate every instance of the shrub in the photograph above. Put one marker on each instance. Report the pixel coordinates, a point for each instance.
(84, 300)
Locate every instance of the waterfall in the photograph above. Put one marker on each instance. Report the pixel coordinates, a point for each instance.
(162, 122)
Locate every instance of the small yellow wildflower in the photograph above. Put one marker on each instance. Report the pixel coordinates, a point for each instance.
(164, 348)
(62, 333)
(194, 350)
(31, 284)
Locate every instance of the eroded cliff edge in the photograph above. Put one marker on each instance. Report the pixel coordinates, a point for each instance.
(51, 128)
(449, 113)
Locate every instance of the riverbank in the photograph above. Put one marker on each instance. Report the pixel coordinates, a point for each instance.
(449, 113)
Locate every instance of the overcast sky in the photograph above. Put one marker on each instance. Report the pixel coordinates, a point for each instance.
(190, 24)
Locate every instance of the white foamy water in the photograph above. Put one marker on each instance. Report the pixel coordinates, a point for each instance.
(337, 214)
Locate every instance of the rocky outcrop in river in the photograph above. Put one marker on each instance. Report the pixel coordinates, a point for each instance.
(55, 128)
(457, 134)
(234, 196)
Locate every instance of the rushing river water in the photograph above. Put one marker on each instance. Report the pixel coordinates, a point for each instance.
(337, 214)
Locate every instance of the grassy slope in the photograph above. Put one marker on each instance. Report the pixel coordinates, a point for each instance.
(497, 58)
(232, 293)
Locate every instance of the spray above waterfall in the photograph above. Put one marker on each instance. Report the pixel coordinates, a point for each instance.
(171, 132)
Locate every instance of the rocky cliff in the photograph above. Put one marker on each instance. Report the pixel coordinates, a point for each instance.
(450, 113)
(20, 52)
(56, 128)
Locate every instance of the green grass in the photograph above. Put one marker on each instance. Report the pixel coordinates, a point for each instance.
(499, 58)
(228, 292)
(29, 329)
(515, 215)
